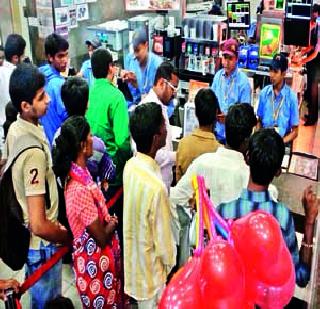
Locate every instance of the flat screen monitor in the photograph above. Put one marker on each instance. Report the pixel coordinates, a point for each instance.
(270, 36)
(152, 5)
(296, 32)
(299, 9)
(238, 14)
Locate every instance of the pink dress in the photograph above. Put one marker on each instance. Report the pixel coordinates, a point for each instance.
(97, 270)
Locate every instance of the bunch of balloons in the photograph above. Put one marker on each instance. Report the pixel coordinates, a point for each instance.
(251, 267)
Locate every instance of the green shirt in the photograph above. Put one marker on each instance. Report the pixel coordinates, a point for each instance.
(108, 118)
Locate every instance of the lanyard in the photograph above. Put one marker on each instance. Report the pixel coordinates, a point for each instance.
(275, 111)
(227, 90)
(144, 74)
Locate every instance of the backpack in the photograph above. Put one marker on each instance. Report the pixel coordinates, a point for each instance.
(14, 235)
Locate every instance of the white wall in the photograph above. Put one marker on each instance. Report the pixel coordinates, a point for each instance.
(25, 28)
(5, 19)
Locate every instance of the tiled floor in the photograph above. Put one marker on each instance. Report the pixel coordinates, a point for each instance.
(68, 287)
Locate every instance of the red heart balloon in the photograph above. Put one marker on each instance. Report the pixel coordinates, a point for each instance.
(280, 272)
(273, 295)
(183, 290)
(269, 270)
(222, 276)
(257, 238)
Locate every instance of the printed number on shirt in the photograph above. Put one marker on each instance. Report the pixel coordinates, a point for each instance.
(34, 173)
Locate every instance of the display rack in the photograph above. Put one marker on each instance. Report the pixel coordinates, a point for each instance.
(201, 40)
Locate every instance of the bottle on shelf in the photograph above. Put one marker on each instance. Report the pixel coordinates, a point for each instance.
(201, 58)
(195, 56)
(186, 28)
(212, 62)
(182, 60)
(215, 32)
(207, 30)
(206, 60)
(190, 61)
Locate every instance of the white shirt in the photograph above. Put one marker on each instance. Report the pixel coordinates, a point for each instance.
(165, 156)
(5, 73)
(225, 173)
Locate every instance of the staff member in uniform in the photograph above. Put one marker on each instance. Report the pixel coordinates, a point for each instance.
(230, 85)
(86, 69)
(140, 67)
(278, 104)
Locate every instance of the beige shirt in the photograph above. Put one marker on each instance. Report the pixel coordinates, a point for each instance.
(29, 173)
(148, 229)
(191, 147)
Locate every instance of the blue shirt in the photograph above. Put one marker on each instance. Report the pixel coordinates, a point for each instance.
(87, 72)
(250, 201)
(145, 77)
(251, 32)
(56, 113)
(229, 91)
(281, 111)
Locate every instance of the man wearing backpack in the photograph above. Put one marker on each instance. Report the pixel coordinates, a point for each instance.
(34, 181)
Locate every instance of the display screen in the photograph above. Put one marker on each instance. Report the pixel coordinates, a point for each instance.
(300, 9)
(296, 32)
(270, 35)
(238, 15)
(152, 5)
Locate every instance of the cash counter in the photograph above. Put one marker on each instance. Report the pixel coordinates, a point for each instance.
(290, 188)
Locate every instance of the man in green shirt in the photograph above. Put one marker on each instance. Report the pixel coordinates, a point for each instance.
(107, 113)
(108, 117)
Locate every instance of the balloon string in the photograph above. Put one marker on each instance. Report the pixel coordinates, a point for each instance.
(209, 219)
(194, 184)
(207, 215)
(201, 226)
(199, 223)
(222, 225)
(214, 215)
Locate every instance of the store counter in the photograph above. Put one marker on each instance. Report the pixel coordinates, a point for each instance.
(290, 188)
(251, 72)
(293, 79)
(299, 171)
(264, 71)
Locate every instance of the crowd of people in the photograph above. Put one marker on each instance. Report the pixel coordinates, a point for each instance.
(93, 149)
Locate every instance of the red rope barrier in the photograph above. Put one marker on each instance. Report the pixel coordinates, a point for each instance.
(35, 276)
(112, 201)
